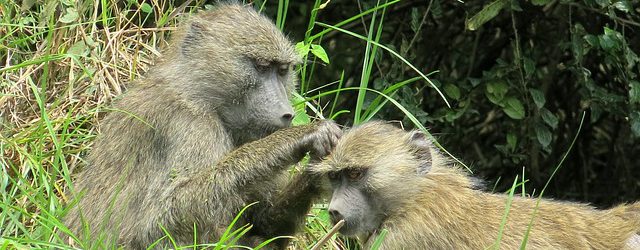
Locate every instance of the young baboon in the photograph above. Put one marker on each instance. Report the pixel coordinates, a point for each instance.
(386, 178)
(202, 136)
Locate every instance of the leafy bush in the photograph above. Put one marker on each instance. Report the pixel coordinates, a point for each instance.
(519, 75)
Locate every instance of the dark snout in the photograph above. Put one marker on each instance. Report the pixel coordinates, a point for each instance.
(283, 115)
(335, 216)
(351, 204)
(342, 208)
(276, 104)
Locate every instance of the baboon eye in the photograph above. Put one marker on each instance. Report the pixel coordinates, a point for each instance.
(354, 174)
(262, 65)
(283, 69)
(333, 175)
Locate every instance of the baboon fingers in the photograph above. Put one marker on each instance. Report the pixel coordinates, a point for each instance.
(334, 140)
(334, 135)
(326, 145)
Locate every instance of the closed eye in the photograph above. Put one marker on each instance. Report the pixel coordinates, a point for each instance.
(283, 69)
(354, 174)
(262, 65)
(333, 175)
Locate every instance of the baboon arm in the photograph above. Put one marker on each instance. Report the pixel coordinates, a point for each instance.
(262, 158)
(283, 214)
(292, 203)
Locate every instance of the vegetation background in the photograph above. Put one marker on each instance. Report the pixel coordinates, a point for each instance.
(508, 84)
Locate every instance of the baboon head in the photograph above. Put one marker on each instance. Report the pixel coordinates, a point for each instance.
(374, 169)
(239, 65)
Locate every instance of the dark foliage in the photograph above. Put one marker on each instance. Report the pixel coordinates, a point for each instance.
(518, 84)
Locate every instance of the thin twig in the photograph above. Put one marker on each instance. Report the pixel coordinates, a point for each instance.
(517, 51)
(179, 10)
(622, 20)
(424, 19)
(328, 236)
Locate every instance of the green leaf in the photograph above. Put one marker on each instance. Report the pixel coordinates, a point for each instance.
(603, 3)
(452, 115)
(596, 112)
(27, 20)
(512, 140)
(540, 2)
(635, 123)
(610, 32)
(416, 19)
(70, 16)
(634, 92)
(544, 135)
(513, 108)
(529, 66)
(146, 8)
(606, 43)
(515, 5)
(302, 49)
(79, 48)
(538, 97)
(549, 118)
(591, 40)
(609, 40)
(496, 90)
(474, 81)
(631, 57)
(623, 6)
(452, 91)
(436, 9)
(301, 117)
(319, 52)
(577, 44)
(487, 13)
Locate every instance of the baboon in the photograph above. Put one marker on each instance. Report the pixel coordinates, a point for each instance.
(204, 134)
(385, 178)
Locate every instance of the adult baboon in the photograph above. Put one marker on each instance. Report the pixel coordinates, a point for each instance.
(386, 178)
(202, 136)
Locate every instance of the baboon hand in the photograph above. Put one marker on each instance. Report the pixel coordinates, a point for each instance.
(321, 142)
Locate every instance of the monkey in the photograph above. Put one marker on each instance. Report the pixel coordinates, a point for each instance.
(204, 134)
(385, 178)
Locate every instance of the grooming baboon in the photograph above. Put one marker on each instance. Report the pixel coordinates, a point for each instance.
(202, 136)
(386, 178)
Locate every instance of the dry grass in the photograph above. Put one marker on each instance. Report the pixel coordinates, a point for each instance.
(70, 69)
(59, 69)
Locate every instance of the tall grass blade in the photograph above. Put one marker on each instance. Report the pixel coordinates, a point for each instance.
(564, 157)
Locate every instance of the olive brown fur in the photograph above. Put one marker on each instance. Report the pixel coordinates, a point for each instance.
(204, 134)
(386, 178)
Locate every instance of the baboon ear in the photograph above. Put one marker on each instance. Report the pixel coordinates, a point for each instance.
(422, 146)
(193, 37)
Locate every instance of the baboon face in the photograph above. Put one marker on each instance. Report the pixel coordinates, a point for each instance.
(265, 107)
(353, 202)
(374, 169)
(243, 66)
